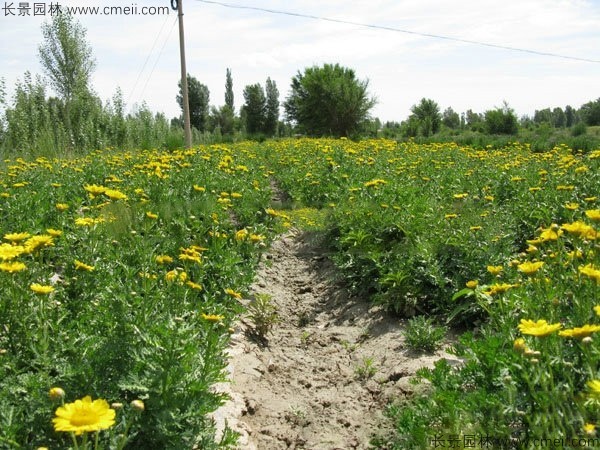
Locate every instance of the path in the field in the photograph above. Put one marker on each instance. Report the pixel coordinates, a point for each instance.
(330, 366)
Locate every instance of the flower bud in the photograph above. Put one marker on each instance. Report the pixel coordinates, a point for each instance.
(138, 405)
(56, 393)
(116, 405)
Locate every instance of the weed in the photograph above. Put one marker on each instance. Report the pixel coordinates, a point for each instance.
(366, 369)
(423, 335)
(263, 314)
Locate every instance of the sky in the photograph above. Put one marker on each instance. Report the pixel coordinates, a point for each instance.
(140, 53)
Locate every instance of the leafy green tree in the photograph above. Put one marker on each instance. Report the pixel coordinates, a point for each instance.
(254, 108)
(199, 97)
(66, 57)
(271, 108)
(67, 61)
(590, 113)
(559, 119)
(229, 90)
(543, 116)
(570, 116)
(501, 121)
(427, 116)
(328, 100)
(222, 119)
(451, 119)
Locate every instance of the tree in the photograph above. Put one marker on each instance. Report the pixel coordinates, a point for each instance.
(590, 113)
(254, 108)
(501, 121)
(328, 100)
(451, 119)
(558, 118)
(543, 116)
(66, 57)
(229, 90)
(67, 61)
(570, 116)
(199, 97)
(271, 108)
(427, 116)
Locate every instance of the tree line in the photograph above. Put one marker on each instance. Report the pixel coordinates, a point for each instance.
(327, 100)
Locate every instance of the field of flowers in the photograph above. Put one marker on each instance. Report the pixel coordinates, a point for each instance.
(120, 273)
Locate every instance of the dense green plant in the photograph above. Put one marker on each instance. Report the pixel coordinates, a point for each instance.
(422, 334)
(328, 101)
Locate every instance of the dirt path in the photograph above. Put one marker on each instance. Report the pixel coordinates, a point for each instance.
(330, 366)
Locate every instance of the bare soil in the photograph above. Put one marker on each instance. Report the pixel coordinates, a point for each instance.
(330, 365)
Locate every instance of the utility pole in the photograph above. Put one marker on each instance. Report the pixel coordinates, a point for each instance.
(184, 84)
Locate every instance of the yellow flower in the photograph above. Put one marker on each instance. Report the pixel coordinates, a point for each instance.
(16, 237)
(580, 332)
(82, 266)
(54, 233)
(114, 194)
(529, 268)
(151, 215)
(95, 189)
(233, 293)
(163, 259)
(494, 270)
(374, 183)
(593, 214)
(594, 386)
(12, 267)
(84, 415)
(193, 285)
(540, 328)
(62, 206)
(212, 317)
(41, 289)
(581, 229)
(589, 428)
(499, 288)
(8, 251)
(35, 242)
(199, 188)
(597, 310)
(460, 196)
(472, 284)
(590, 271)
(241, 234)
(450, 216)
(572, 206)
(519, 345)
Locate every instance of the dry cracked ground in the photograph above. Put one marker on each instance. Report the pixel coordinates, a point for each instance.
(330, 366)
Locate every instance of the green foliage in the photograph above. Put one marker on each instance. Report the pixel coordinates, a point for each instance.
(199, 101)
(579, 129)
(262, 312)
(423, 335)
(66, 57)
(427, 118)
(590, 112)
(254, 108)
(229, 91)
(271, 108)
(501, 121)
(328, 101)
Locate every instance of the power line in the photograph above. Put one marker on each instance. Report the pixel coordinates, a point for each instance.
(137, 80)
(158, 58)
(399, 30)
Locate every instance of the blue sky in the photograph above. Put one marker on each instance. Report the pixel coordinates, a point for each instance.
(401, 68)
